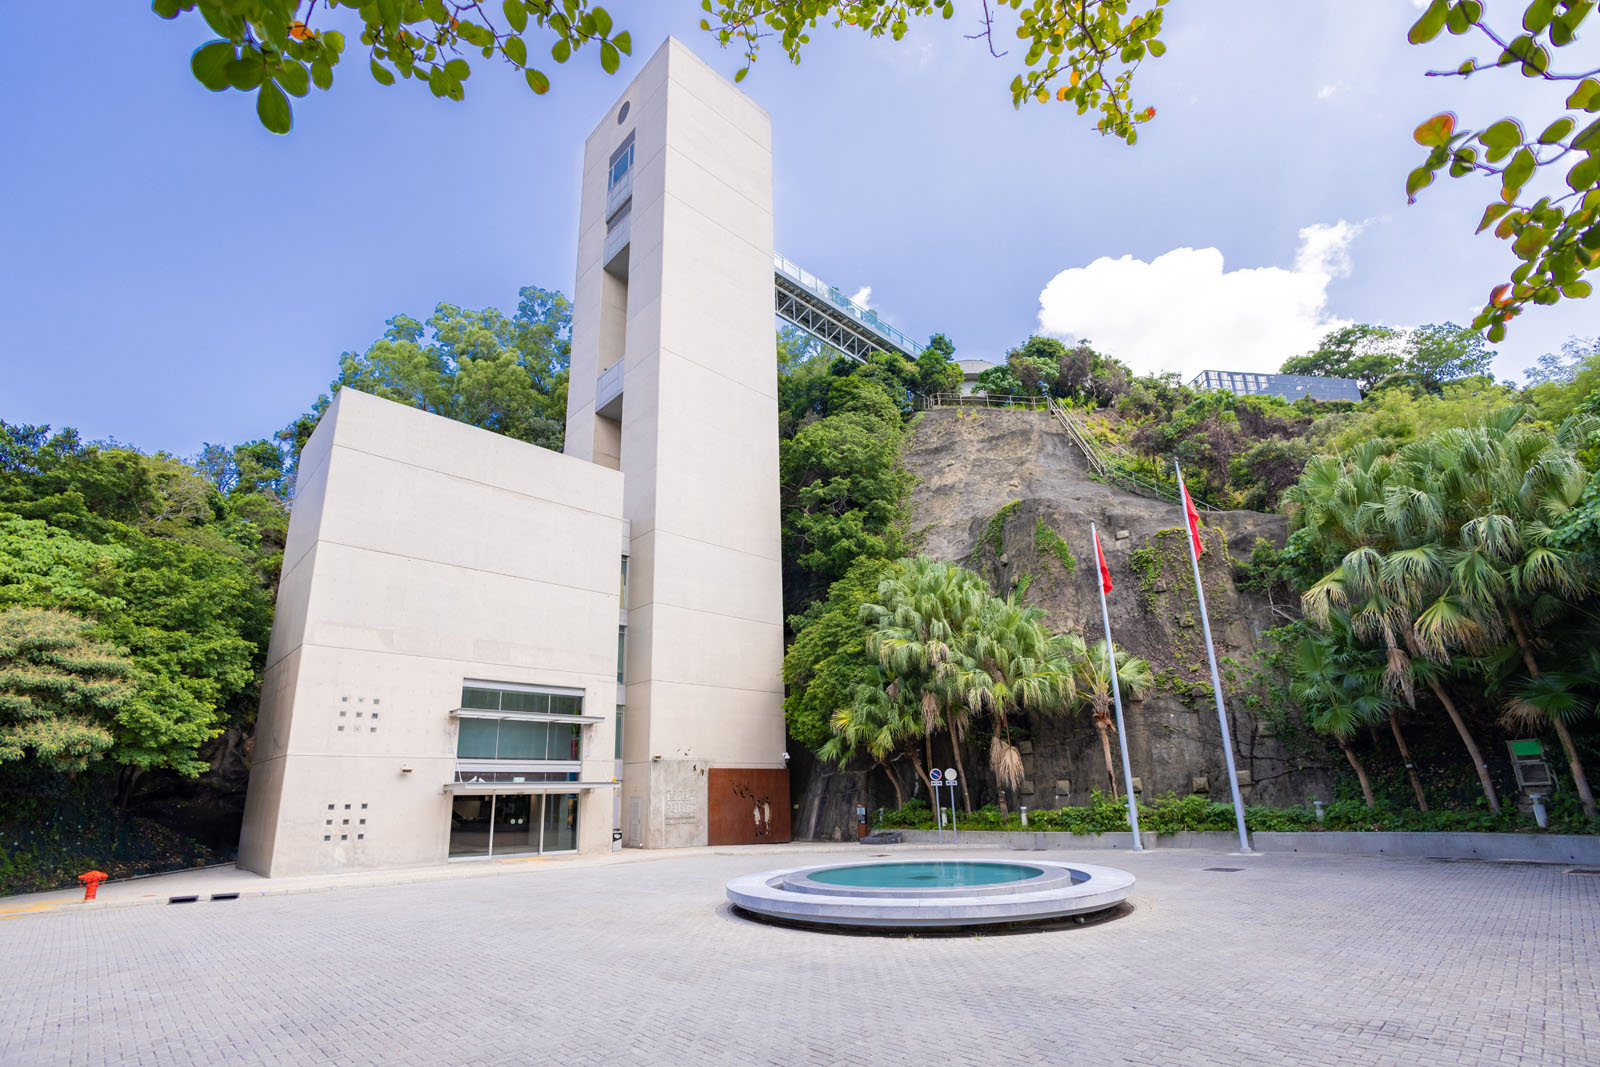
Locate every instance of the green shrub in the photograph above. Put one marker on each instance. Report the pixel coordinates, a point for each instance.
(1172, 814)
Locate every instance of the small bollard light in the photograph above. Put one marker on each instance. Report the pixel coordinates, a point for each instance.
(1540, 815)
(91, 882)
(1317, 804)
(1024, 815)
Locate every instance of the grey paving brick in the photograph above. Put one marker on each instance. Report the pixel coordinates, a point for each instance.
(1296, 960)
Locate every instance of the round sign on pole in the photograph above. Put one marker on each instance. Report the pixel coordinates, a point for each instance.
(950, 774)
(933, 775)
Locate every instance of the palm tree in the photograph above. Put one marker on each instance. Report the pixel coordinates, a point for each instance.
(1392, 583)
(922, 616)
(1134, 679)
(1341, 689)
(1011, 663)
(874, 721)
(1505, 486)
(1361, 601)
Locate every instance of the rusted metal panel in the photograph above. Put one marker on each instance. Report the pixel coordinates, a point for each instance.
(748, 807)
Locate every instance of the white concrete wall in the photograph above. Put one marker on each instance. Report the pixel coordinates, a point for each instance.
(422, 552)
(699, 446)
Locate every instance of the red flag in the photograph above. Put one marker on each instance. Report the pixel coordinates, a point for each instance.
(1192, 517)
(1099, 554)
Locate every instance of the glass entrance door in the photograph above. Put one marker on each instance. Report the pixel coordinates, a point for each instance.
(509, 824)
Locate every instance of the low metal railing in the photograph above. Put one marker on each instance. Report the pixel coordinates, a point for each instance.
(979, 400)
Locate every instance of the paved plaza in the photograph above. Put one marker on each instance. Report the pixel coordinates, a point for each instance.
(637, 959)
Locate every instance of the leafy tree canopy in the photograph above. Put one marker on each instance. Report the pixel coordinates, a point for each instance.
(502, 373)
(1568, 383)
(1427, 356)
(1361, 351)
(1436, 354)
(160, 564)
(843, 486)
(59, 689)
(828, 658)
(937, 369)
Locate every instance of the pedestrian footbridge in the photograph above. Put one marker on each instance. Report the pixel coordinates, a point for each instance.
(821, 310)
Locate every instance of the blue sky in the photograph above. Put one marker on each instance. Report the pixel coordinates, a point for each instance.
(172, 274)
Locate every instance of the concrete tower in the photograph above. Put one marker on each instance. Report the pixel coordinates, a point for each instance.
(673, 383)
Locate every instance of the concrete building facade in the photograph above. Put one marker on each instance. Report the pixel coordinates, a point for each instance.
(673, 383)
(483, 647)
(429, 562)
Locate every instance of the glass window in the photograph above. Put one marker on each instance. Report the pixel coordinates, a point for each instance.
(520, 739)
(536, 702)
(622, 645)
(516, 739)
(477, 739)
(622, 593)
(560, 822)
(618, 753)
(510, 822)
(470, 820)
(485, 699)
(565, 741)
(620, 166)
(515, 829)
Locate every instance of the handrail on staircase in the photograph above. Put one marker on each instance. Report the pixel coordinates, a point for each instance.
(1108, 467)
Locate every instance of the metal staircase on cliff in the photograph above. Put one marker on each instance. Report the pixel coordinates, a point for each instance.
(1111, 468)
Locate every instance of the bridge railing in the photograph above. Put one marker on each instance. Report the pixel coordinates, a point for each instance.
(868, 318)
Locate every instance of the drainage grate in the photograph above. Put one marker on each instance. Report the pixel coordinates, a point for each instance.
(224, 896)
(1224, 870)
(182, 900)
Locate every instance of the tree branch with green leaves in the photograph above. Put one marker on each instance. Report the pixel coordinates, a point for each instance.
(1556, 236)
(276, 49)
(1081, 52)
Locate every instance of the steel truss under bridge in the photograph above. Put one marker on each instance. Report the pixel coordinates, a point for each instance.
(809, 303)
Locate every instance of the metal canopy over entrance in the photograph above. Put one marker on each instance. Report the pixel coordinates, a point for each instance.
(821, 310)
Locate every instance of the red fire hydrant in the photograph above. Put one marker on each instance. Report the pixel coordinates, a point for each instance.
(91, 882)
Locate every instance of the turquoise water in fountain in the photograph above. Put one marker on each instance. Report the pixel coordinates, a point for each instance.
(926, 875)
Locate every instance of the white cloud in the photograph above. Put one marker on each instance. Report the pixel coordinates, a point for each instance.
(863, 295)
(1183, 311)
(1331, 89)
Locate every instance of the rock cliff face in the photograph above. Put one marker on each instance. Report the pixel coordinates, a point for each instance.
(995, 489)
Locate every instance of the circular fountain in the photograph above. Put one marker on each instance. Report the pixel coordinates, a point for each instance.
(930, 894)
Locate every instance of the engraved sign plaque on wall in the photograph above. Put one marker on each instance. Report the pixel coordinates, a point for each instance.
(682, 805)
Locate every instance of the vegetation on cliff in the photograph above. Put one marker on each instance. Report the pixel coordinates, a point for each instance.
(1445, 528)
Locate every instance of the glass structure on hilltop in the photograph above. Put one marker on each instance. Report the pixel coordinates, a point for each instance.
(1288, 386)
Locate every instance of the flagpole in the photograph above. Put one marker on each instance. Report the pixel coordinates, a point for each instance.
(1116, 696)
(1216, 679)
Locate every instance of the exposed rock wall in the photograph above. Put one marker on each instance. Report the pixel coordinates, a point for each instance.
(971, 464)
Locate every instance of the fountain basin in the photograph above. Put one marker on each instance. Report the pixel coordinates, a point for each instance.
(930, 894)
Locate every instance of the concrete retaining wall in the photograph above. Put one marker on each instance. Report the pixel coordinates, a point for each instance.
(1536, 848)
(1023, 839)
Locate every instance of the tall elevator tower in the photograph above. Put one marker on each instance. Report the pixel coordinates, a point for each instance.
(674, 384)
